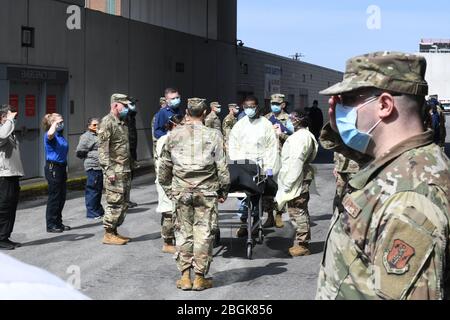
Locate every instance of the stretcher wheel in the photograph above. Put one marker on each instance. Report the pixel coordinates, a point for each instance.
(260, 236)
(249, 251)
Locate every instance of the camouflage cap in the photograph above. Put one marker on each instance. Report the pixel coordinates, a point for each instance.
(120, 98)
(391, 71)
(214, 105)
(278, 98)
(197, 105)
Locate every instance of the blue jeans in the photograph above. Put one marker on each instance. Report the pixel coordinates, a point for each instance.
(93, 195)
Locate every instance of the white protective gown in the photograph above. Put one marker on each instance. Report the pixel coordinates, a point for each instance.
(253, 140)
(298, 151)
(164, 203)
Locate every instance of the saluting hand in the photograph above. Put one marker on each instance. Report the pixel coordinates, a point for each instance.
(11, 115)
(334, 100)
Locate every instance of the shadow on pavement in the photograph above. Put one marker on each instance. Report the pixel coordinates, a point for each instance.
(137, 210)
(147, 237)
(148, 203)
(321, 217)
(88, 225)
(316, 247)
(61, 238)
(224, 278)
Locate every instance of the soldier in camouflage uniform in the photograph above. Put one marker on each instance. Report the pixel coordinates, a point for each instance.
(212, 120)
(194, 174)
(162, 104)
(344, 170)
(228, 123)
(115, 160)
(390, 237)
(278, 106)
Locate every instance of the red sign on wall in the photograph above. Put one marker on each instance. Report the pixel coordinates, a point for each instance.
(30, 106)
(51, 104)
(14, 102)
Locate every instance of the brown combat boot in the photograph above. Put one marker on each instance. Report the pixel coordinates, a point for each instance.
(185, 282)
(122, 237)
(200, 283)
(111, 238)
(279, 220)
(169, 247)
(299, 250)
(270, 222)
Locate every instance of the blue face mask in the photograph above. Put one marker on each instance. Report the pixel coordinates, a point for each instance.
(276, 108)
(60, 127)
(290, 126)
(175, 103)
(250, 112)
(346, 118)
(124, 113)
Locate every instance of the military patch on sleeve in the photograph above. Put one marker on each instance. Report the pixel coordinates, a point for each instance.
(351, 206)
(396, 259)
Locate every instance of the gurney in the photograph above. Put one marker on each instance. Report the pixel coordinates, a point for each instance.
(248, 180)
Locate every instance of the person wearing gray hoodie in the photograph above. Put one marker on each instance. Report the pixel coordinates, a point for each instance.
(11, 170)
(87, 150)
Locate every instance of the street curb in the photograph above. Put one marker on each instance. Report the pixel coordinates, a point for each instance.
(73, 184)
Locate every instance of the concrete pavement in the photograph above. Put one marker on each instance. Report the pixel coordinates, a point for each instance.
(140, 270)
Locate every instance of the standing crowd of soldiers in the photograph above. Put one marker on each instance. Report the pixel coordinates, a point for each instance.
(389, 235)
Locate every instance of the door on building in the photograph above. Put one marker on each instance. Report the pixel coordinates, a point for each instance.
(303, 99)
(26, 97)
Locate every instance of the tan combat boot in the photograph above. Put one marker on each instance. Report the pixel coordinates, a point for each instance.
(270, 222)
(111, 238)
(168, 247)
(299, 250)
(122, 237)
(279, 220)
(185, 282)
(200, 283)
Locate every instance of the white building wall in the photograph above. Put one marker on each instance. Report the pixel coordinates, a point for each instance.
(438, 74)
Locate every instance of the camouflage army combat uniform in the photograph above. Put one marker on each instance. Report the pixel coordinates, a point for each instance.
(114, 158)
(193, 172)
(345, 169)
(212, 120)
(228, 124)
(283, 116)
(390, 237)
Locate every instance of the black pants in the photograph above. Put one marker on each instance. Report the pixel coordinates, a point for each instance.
(56, 176)
(9, 197)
